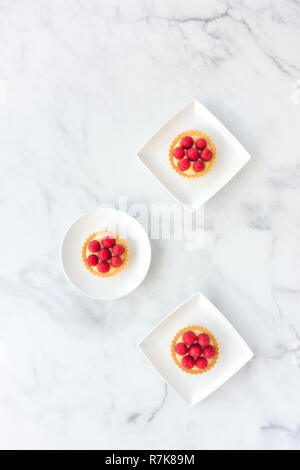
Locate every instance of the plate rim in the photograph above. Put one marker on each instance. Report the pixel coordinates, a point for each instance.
(61, 251)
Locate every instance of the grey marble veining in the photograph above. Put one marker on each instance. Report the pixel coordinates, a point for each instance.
(83, 84)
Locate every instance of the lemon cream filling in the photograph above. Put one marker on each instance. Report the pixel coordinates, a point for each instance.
(180, 340)
(100, 237)
(191, 170)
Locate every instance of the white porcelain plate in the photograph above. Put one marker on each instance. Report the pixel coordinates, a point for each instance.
(234, 352)
(139, 254)
(192, 193)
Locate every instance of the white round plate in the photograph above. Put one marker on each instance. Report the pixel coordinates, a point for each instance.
(138, 262)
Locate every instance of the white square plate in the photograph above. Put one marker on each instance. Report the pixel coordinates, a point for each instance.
(234, 352)
(192, 193)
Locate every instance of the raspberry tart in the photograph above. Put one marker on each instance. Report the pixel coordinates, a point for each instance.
(192, 154)
(104, 253)
(195, 349)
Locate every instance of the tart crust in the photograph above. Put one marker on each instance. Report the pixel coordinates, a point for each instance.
(211, 362)
(211, 162)
(119, 240)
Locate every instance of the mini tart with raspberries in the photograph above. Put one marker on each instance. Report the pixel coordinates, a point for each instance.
(195, 350)
(192, 154)
(104, 253)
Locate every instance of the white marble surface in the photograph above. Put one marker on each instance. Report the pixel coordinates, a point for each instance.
(83, 84)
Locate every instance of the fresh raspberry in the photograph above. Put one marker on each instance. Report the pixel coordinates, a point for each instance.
(92, 260)
(94, 246)
(203, 340)
(206, 155)
(187, 142)
(209, 352)
(117, 250)
(108, 242)
(193, 154)
(195, 350)
(201, 144)
(116, 261)
(178, 153)
(187, 362)
(181, 349)
(104, 254)
(199, 166)
(103, 267)
(189, 337)
(184, 164)
(201, 363)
